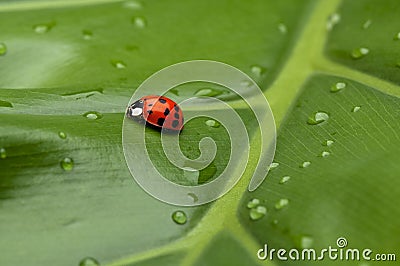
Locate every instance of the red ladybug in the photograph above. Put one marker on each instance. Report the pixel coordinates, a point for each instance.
(157, 111)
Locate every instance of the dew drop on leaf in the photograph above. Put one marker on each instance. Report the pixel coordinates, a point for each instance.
(89, 261)
(281, 204)
(305, 164)
(132, 5)
(356, 109)
(397, 36)
(118, 64)
(43, 28)
(139, 22)
(3, 49)
(3, 153)
(367, 24)
(253, 203)
(325, 153)
(87, 34)
(306, 241)
(338, 86)
(62, 135)
(210, 92)
(67, 164)
(359, 52)
(329, 142)
(317, 118)
(282, 28)
(257, 213)
(273, 165)
(179, 217)
(93, 115)
(257, 70)
(284, 179)
(212, 123)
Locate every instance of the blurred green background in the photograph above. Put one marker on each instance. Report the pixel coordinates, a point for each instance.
(329, 69)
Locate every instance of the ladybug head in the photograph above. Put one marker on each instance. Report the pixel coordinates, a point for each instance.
(135, 110)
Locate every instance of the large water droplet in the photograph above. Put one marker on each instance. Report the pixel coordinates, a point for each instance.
(356, 109)
(3, 48)
(281, 203)
(3, 153)
(253, 203)
(273, 165)
(179, 217)
(306, 241)
(67, 164)
(62, 135)
(359, 52)
(338, 86)
(118, 64)
(89, 261)
(305, 164)
(367, 24)
(325, 153)
(93, 115)
(397, 36)
(87, 34)
(284, 179)
(257, 70)
(209, 92)
(212, 123)
(282, 28)
(318, 118)
(257, 213)
(139, 22)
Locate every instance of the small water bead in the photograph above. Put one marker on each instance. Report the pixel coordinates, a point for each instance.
(139, 22)
(43, 28)
(132, 5)
(306, 241)
(338, 86)
(273, 165)
(3, 153)
(284, 179)
(281, 204)
(209, 92)
(67, 164)
(89, 261)
(329, 142)
(253, 203)
(282, 28)
(62, 135)
(3, 48)
(93, 115)
(212, 123)
(257, 70)
(356, 109)
(118, 64)
(306, 164)
(87, 34)
(332, 21)
(257, 213)
(359, 52)
(179, 217)
(325, 153)
(318, 118)
(367, 24)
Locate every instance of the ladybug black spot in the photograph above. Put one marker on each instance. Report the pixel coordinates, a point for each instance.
(176, 108)
(150, 104)
(175, 123)
(176, 115)
(162, 100)
(166, 112)
(150, 112)
(160, 122)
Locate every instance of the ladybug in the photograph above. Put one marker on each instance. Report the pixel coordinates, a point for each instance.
(158, 112)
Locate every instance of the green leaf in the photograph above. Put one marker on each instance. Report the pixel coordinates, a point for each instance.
(336, 178)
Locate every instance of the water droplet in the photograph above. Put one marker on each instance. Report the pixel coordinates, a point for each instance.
(306, 164)
(139, 22)
(87, 34)
(67, 164)
(281, 203)
(284, 179)
(193, 196)
(89, 261)
(325, 153)
(118, 64)
(212, 123)
(62, 135)
(179, 217)
(191, 175)
(329, 142)
(318, 118)
(332, 21)
(273, 165)
(92, 115)
(356, 109)
(275, 222)
(367, 24)
(282, 28)
(3, 48)
(209, 92)
(359, 52)
(397, 36)
(132, 5)
(338, 86)
(306, 241)
(257, 213)
(253, 203)
(43, 28)
(3, 153)
(257, 70)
